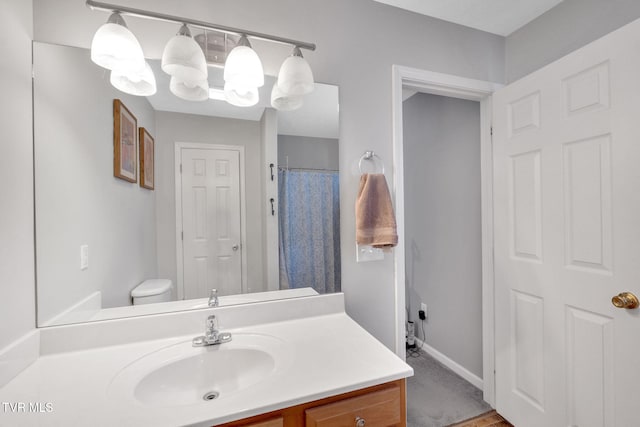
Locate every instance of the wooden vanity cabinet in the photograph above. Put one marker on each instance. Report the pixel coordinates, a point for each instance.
(383, 405)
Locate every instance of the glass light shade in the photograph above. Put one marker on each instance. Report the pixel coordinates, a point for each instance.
(243, 68)
(241, 96)
(183, 59)
(283, 102)
(115, 47)
(295, 76)
(140, 83)
(190, 91)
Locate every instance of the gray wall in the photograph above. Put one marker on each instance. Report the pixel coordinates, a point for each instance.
(443, 229)
(177, 127)
(78, 200)
(17, 304)
(358, 41)
(563, 29)
(308, 153)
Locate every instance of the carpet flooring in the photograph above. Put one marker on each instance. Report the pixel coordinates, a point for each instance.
(437, 397)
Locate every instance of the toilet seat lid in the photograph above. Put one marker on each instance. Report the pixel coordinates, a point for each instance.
(151, 287)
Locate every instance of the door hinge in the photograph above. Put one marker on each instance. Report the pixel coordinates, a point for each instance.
(181, 166)
(491, 130)
(182, 235)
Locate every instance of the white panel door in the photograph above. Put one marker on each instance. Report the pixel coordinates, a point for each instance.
(211, 222)
(567, 238)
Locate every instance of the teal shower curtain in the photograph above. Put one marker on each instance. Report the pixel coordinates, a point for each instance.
(309, 215)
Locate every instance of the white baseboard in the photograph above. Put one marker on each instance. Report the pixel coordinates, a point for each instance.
(21, 353)
(454, 366)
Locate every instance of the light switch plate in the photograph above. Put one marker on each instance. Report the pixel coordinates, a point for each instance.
(84, 257)
(368, 253)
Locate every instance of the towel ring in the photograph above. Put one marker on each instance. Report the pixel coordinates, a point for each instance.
(370, 155)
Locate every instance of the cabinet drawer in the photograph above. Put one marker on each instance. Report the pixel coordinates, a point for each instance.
(275, 422)
(380, 409)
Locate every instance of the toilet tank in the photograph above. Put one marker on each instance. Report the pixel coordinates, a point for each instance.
(152, 291)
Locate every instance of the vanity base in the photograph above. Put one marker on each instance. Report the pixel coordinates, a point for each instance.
(383, 405)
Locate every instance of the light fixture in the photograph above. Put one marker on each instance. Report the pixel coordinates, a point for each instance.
(188, 90)
(139, 83)
(295, 76)
(243, 67)
(183, 58)
(283, 102)
(115, 47)
(241, 96)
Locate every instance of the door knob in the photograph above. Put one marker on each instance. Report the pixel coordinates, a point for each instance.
(235, 247)
(360, 422)
(625, 300)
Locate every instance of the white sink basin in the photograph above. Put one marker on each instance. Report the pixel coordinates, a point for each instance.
(184, 375)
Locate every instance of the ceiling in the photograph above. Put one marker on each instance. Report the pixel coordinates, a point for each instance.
(501, 17)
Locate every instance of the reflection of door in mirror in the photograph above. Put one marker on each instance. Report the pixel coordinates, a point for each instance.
(209, 216)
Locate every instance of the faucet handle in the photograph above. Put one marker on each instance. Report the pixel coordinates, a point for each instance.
(211, 322)
(213, 298)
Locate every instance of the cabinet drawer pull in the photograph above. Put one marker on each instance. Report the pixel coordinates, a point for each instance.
(360, 422)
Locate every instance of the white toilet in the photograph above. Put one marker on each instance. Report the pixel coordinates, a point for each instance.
(152, 291)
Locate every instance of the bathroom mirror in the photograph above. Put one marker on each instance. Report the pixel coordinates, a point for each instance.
(270, 228)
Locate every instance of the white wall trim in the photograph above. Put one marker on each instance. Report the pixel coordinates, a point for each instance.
(82, 311)
(18, 355)
(463, 88)
(449, 363)
(178, 193)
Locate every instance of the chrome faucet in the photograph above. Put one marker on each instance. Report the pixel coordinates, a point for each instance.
(212, 336)
(213, 298)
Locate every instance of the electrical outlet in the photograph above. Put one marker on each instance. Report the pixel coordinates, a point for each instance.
(423, 307)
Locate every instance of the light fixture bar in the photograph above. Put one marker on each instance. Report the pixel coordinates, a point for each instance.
(124, 10)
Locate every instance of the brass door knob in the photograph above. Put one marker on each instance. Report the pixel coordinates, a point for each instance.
(625, 300)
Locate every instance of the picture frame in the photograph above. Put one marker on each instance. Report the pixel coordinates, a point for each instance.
(147, 159)
(125, 126)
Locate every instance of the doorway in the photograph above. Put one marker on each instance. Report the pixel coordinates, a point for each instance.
(443, 244)
(466, 89)
(209, 219)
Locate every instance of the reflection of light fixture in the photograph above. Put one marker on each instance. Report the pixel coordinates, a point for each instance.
(183, 58)
(139, 83)
(241, 96)
(217, 94)
(295, 76)
(190, 91)
(115, 47)
(283, 102)
(243, 67)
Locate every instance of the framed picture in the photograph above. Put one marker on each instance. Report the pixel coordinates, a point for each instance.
(147, 164)
(125, 126)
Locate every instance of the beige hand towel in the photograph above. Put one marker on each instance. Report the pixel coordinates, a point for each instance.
(375, 219)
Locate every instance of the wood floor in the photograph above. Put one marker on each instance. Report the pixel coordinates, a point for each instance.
(489, 419)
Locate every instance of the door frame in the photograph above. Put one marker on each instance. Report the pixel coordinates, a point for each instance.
(178, 201)
(464, 88)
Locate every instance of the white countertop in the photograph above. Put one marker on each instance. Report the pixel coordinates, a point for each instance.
(329, 354)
